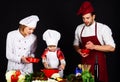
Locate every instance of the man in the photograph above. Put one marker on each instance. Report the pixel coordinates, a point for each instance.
(20, 44)
(94, 36)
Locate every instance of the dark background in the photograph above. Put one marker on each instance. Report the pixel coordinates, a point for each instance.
(61, 16)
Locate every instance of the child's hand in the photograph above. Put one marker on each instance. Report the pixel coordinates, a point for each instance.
(46, 65)
(62, 66)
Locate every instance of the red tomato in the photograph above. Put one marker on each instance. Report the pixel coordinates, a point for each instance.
(17, 72)
(14, 78)
(86, 51)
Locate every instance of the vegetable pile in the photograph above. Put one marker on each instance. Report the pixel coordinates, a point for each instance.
(82, 74)
(14, 76)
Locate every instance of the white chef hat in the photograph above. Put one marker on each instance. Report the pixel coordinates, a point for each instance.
(30, 21)
(51, 37)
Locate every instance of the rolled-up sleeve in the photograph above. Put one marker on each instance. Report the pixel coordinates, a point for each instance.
(77, 38)
(107, 36)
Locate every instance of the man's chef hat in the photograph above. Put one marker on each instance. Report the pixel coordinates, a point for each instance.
(30, 21)
(85, 8)
(51, 37)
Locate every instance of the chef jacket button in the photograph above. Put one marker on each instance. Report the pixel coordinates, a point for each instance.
(24, 48)
(19, 40)
(19, 48)
(25, 41)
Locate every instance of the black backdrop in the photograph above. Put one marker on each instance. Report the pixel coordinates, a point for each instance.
(59, 15)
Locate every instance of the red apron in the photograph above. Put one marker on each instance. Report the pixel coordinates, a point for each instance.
(103, 77)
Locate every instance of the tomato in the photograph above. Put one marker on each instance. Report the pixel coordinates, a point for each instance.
(86, 51)
(14, 78)
(17, 72)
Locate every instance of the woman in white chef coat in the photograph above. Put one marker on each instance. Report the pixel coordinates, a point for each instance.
(20, 44)
(96, 37)
(52, 56)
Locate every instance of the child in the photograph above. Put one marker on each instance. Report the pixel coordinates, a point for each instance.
(53, 57)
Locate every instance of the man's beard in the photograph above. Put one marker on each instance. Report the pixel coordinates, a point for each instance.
(89, 24)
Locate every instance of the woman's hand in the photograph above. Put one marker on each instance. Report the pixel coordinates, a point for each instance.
(24, 60)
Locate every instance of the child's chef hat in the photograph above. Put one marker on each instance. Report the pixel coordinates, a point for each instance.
(51, 37)
(30, 21)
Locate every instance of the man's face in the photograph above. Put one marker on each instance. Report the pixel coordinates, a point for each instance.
(88, 19)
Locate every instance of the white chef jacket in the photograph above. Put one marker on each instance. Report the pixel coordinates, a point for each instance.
(104, 33)
(18, 46)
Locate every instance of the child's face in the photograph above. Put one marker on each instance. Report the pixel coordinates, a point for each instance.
(52, 48)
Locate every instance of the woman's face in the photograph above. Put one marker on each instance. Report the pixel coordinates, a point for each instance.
(26, 31)
(52, 48)
(88, 19)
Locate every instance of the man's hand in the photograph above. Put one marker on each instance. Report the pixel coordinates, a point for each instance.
(90, 45)
(83, 54)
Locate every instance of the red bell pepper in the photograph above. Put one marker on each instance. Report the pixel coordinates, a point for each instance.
(17, 72)
(14, 78)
